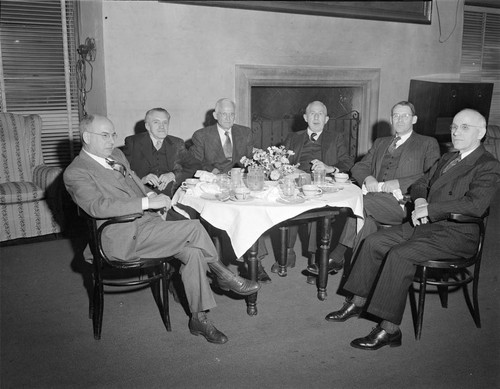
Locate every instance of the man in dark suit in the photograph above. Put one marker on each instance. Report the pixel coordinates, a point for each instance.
(388, 170)
(101, 182)
(461, 182)
(315, 148)
(158, 158)
(220, 147)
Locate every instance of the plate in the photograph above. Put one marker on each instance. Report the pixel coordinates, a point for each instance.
(330, 188)
(316, 196)
(233, 198)
(292, 200)
(210, 196)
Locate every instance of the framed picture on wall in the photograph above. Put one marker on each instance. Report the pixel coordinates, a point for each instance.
(404, 11)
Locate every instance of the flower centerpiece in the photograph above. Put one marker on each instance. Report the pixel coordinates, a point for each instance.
(274, 160)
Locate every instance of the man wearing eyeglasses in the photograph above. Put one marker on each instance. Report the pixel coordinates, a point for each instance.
(462, 182)
(159, 159)
(386, 173)
(101, 183)
(221, 146)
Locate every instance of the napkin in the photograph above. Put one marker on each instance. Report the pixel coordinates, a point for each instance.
(205, 176)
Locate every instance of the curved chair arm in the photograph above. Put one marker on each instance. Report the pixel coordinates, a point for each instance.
(44, 176)
(461, 218)
(110, 221)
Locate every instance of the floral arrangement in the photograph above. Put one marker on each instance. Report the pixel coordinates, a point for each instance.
(274, 160)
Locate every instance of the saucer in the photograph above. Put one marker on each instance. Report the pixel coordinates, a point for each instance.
(316, 196)
(210, 196)
(233, 198)
(291, 200)
(330, 187)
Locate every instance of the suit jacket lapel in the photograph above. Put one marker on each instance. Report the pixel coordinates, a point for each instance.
(326, 142)
(145, 146)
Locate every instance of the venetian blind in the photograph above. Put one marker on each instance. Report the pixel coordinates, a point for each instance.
(38, 52)
(481, 52)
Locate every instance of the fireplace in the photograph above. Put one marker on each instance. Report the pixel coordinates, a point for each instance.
(365, 80)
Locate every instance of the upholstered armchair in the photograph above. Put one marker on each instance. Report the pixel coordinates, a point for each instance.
(30, 192)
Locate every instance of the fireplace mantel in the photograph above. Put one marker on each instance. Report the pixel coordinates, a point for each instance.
(368, 79)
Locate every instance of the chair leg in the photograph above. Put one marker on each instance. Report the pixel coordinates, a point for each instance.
(474, 305)
(97, 308)
(421, 303)
(443, 292)
(165, 280)
(413, 306)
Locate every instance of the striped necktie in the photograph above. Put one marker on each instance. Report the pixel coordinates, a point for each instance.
(313, 137)
(228, 146)
(158, 144)
(392, 146)
(452, 163)
(116, 166)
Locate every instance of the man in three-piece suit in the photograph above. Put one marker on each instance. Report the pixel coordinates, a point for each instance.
(220, 147)
(159, 159)
(101, 182)
(315, 148)
(392, 164)
(461, 182)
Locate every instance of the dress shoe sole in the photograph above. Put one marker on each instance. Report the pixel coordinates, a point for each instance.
(342, 319)
(196, 333)
(247, 293)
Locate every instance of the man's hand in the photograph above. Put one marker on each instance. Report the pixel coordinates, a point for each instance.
(159, 201)
(318, 165)
(151, 179)
(389, 186)
(371, 184)
(165, 179)
(420, 214)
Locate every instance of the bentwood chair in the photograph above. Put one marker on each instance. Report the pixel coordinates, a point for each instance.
(450, 273)
(109, 272)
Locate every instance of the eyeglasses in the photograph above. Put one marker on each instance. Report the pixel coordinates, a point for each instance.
(226, 115)
(404, 116)
(463, 127)
(105, 135)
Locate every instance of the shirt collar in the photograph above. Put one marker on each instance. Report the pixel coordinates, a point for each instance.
(100, 160)
(222, 131)
(309, 132)
(463, 155)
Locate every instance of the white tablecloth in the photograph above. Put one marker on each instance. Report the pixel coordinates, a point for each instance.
(245, 222)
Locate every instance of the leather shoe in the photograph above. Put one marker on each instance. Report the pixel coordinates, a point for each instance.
(334, 266)
(239, 285)
(347, 311)
(205, 328)
(378, 338)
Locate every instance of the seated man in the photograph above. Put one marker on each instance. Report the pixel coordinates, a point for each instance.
(220, 147)
(315, 148)
(462, 182)
(101, 182)
(393, 162)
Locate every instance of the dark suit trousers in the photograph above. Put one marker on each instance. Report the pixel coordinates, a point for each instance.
(402, 247)
(378, 208)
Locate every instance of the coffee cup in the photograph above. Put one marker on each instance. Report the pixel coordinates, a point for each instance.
(241, 193)
(341, 177)
(311, 190)
(189, 183)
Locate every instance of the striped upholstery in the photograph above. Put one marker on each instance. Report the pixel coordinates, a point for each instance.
(29, 191)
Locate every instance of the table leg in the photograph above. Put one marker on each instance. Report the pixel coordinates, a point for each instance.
(252, 273)
(283, 259)
(323, 258)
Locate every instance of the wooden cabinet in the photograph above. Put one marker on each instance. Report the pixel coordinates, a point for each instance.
(437, 102)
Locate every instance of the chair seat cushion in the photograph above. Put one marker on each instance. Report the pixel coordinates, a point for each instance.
(20, 192)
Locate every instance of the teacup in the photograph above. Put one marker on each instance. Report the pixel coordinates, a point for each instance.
(189, 183)
(241, 193)
(311, 190)
(341, 177)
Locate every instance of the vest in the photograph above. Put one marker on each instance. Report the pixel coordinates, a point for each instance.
(390, 163)
(310, 151)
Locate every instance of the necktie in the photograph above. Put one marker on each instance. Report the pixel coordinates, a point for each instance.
(452, 163)
(228, 147)
(158, 144)
(313, 137)
(392, 146)
(116, 166)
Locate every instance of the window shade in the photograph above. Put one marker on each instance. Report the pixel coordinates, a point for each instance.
(38, 50)
(481, 52)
